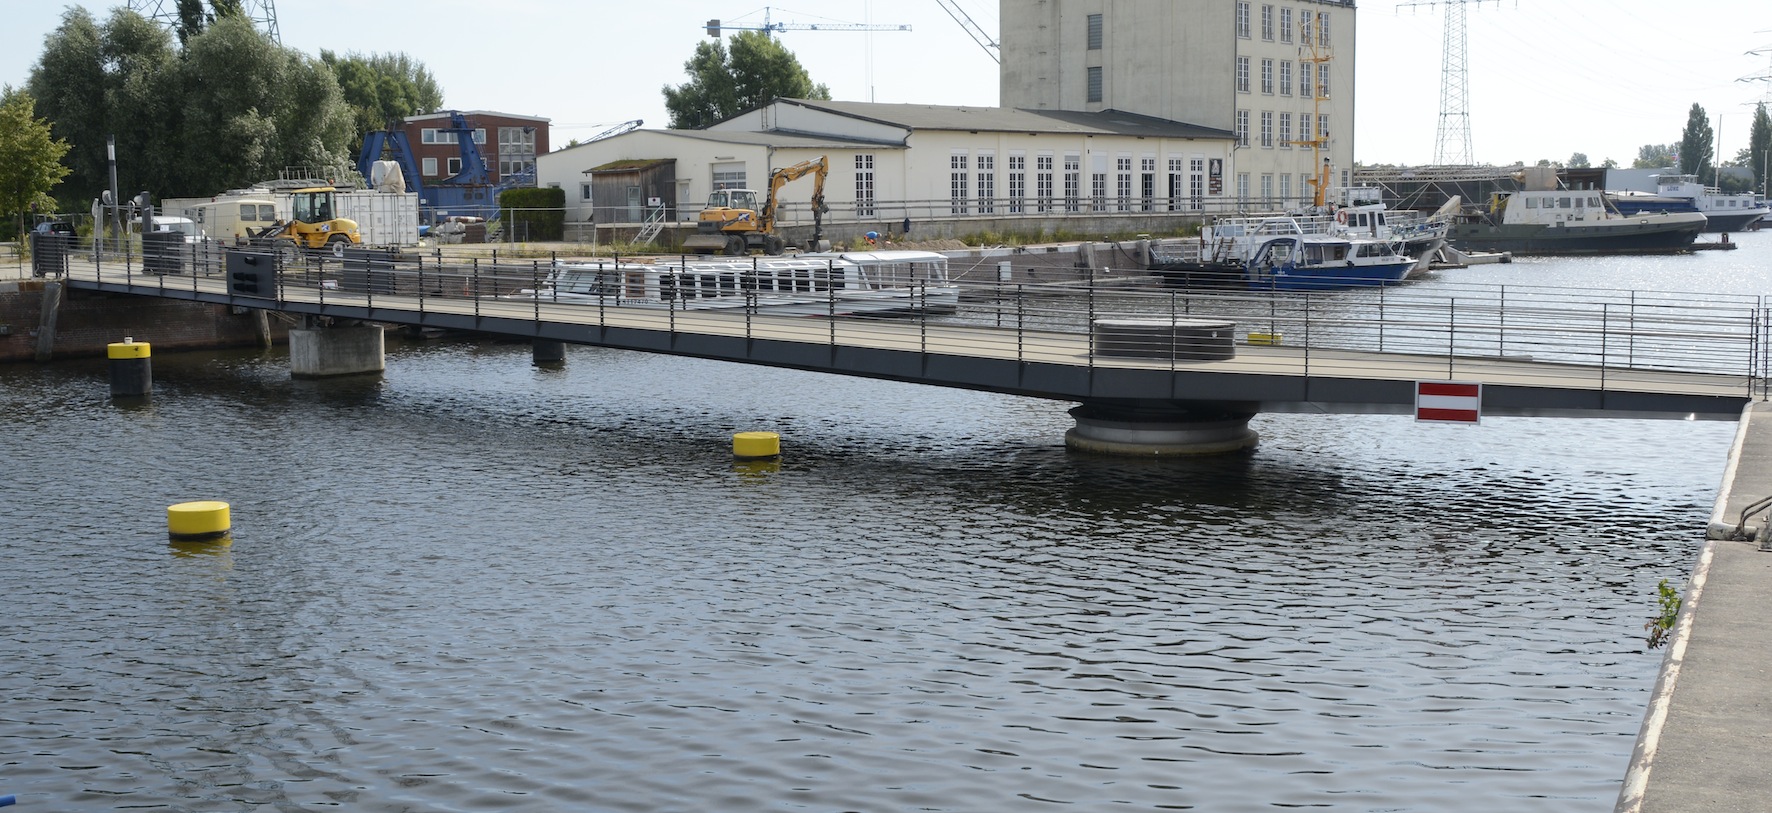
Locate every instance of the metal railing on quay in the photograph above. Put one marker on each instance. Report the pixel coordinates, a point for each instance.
(1597, 329)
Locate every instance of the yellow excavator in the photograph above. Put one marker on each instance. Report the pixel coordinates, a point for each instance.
(733, 224)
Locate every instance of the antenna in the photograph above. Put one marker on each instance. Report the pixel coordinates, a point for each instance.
(990, 46)
(262, 13)
(1452, 143)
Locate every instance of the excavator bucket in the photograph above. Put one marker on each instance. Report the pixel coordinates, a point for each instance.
(705, 243)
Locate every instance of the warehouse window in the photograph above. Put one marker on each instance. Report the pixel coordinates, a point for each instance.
(1094, 84)
(864, 185)
(1095, 32)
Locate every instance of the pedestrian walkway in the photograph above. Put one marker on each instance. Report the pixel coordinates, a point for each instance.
(1706, 741)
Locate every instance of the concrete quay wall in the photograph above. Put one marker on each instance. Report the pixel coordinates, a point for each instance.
(86, 322)
(1706, 740)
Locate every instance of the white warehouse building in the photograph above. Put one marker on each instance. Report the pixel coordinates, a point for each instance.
(964, 168)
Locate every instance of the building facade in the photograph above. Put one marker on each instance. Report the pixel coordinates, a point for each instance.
(508, 143)
(889, 163)
(1277, 73)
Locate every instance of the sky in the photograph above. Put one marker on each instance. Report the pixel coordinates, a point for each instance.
(1547, 78)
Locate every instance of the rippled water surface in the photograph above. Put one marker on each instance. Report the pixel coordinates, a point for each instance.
(477, 585)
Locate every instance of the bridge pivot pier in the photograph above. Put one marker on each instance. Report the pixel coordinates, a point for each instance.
(1166, 428)
(324, 352)
(547, 352)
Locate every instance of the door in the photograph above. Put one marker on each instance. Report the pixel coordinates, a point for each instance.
(635, 213)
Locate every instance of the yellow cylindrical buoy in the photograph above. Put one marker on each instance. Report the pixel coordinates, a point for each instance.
(131, 368)
(756, 445)
(197, 521)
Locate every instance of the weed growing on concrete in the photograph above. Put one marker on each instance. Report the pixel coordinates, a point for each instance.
(1662, 626)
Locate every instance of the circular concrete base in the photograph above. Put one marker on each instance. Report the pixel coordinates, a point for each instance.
(1167, 437)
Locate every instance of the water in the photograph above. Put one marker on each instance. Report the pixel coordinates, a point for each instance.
(477, 585)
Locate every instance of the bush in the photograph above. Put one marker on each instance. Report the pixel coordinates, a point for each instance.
(534, 214)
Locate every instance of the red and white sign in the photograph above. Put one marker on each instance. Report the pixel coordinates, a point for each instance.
(1454, 401)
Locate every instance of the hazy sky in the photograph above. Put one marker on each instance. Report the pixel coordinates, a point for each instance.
(1547, 77)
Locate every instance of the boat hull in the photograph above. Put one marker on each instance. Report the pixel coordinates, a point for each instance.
(1606, 237)
(1325, 278)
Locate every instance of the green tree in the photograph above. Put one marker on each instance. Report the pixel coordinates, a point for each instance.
(382, 88)
(723, 84)
(1654, 156)
(30, 158)
(233, 108)
(1695, 145)
(93, 82)
(1578, 161)
(1759, 145)
(192, 19)
(1609, 164)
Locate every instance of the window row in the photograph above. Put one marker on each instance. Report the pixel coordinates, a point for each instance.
(1308, 26)
(1132, 185)
(1284, 75)
(1306, 135)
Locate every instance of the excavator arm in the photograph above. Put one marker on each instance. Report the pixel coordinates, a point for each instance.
(818, 169)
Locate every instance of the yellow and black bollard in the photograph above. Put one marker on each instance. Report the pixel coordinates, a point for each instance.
(132, 368)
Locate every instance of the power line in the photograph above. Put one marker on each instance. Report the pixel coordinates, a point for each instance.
(1452, 141)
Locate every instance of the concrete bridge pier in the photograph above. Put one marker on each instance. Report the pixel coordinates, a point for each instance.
(323, 352)
(1171, 428)
(547, 352)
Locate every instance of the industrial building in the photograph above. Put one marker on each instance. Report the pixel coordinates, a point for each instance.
(509, 143)
(1278, 74)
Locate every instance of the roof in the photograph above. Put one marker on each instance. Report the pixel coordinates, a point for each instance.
(631, 164)
(770, 139)
(444, 114)
(1010, 119)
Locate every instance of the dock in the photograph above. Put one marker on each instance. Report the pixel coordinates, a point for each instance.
(1706, 739)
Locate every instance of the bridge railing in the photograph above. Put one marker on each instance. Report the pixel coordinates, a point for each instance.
(1590, 329)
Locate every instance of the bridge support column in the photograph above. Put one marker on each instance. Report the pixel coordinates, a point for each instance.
(1168, 430)
(544, 352)
(333, 351)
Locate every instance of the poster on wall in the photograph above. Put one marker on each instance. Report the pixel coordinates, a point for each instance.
(1215, 176)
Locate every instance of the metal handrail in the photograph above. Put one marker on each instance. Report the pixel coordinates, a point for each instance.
(1753, 508)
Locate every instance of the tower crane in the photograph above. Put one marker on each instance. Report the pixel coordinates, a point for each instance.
(978, 34)
(769, 27)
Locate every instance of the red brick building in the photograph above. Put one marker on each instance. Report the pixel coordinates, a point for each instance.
(508, 143)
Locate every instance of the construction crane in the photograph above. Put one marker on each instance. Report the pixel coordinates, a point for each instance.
(769, 27)
(615, 131)
(984, 40)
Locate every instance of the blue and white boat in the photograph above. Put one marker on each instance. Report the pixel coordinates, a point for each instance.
(1723, 212)
(1315, 262)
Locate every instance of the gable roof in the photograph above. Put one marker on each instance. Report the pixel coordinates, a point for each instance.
(1013, 120)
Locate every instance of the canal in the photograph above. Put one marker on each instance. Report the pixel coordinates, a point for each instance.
(473, 584)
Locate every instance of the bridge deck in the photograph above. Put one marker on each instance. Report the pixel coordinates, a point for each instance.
(998, 349)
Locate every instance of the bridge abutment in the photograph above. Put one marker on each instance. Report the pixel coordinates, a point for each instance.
(333, 351)
(1160, 430)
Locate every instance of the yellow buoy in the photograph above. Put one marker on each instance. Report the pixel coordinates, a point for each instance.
(196, 521)
(756, 445)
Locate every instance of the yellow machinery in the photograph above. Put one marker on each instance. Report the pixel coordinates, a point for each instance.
(733, 224)
(314, 225)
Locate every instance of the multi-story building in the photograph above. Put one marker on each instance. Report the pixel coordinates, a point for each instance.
(1278, 73)
(508, 143)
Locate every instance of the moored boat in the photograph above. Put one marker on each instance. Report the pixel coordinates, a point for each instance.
(835, 283)
(1723, 212)
(1321, 262)
(1542, 219)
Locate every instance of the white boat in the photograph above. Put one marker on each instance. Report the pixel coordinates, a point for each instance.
(820, 284)
(1725, 212)
(1308, 262)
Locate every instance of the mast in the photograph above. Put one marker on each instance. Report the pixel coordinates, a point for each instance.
(1314, 51)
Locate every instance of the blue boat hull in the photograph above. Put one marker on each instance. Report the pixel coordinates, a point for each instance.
(1329, 277)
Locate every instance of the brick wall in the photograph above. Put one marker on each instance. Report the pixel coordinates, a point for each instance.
(88, 321)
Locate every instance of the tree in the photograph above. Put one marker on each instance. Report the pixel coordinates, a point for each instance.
(724, 84)
(1609, 164)
(380, 88)
(1654, 156)
(1578, 161)
(1759, 144)
(1695, 144)
(232, 109)
(30, 158)
(192, 19)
